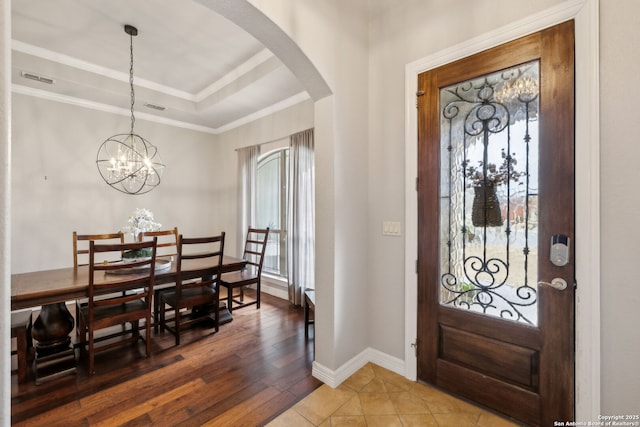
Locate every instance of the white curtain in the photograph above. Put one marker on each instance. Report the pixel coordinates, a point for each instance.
(301, 216)
(247, 168)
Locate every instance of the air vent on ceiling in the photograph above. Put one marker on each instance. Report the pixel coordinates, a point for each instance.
(36, 77)
(155, 107)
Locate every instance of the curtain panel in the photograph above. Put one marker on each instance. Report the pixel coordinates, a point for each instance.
(247, 170)
(301, 216)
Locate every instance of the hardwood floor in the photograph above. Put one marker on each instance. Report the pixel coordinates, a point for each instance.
(256, 367)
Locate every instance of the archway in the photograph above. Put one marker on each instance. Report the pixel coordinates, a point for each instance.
(254, 22)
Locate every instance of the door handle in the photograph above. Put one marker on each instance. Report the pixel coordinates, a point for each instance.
(557, 283)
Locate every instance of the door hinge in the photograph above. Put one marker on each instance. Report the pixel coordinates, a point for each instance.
(418, 94)
(417, 184)
(415, 347)
(417, 266)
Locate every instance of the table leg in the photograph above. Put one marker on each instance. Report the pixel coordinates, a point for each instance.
(54, 353)
(52, 327)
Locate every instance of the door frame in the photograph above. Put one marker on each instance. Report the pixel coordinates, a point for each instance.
(587, 204)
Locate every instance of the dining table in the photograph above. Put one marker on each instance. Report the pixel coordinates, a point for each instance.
(51, 289)
(38, 288)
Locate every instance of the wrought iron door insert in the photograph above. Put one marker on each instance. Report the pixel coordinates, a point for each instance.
(489, 194)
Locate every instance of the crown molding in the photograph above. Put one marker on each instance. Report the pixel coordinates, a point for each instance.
(289, 102)
(241, 70)
(65, 99)
(43, 94)
(96, 69)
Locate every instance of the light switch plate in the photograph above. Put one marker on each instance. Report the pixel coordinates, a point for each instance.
(391, 228)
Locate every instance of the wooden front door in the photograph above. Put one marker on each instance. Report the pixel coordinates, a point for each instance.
(496, 191)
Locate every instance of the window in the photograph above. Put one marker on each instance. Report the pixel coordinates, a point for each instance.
(271, 209)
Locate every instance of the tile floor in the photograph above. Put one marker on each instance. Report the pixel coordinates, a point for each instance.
(374, 396)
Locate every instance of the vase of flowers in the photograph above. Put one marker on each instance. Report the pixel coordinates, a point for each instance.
(140, 221)
(485, 210)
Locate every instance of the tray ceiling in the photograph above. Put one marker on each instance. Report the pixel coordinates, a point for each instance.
(207, 73)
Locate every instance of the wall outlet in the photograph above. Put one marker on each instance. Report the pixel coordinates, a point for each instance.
(391, 228)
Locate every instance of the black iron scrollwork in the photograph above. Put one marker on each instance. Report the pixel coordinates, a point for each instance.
(478, 279)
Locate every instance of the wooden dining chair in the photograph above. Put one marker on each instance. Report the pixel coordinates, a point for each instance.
(81, 256)
(167, 241)
(21, 323)
(189, 294)
(81, 246)
(128, 286)
(254, 249)
(167, 246)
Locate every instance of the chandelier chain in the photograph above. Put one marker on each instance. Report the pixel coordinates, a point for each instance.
(133, 95)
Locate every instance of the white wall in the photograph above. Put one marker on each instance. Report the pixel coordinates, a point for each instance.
(619, 92)
(5, 211)
(334, 35)
(56, 187)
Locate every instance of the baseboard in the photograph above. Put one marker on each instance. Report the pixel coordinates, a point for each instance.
(274, 288)
(334, 378)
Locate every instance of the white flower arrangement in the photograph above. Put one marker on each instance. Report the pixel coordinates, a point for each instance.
(142, 220)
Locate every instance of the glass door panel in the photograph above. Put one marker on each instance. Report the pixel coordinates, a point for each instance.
(489, 194)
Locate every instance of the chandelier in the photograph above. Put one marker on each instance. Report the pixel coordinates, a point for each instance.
(524, 88)
(128, 162)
